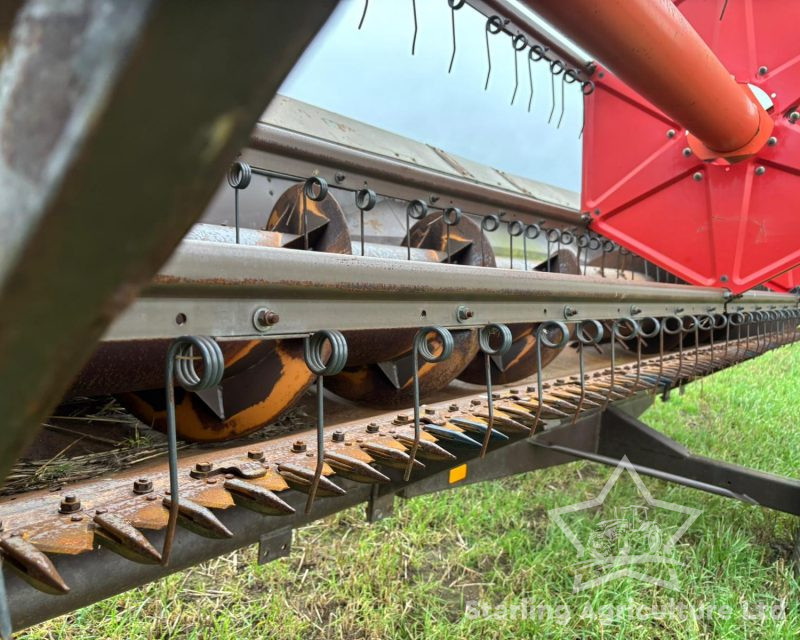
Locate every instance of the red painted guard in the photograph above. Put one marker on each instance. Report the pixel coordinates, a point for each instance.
(731, 225)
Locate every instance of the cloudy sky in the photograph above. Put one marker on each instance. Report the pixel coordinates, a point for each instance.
(370, 75)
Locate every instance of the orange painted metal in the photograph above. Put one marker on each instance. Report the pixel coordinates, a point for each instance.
(651, 46)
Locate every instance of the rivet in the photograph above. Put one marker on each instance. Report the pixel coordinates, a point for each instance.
(772, 141)
(698, 176)
(671, 133)
(760, 170)
(762, 70)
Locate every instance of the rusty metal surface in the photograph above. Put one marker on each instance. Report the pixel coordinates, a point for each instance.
(258, 476)
(218, 287)
(82, 81)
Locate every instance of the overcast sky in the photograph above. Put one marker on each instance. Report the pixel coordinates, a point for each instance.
(370, 75)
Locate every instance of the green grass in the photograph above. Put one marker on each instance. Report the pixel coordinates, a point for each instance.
(411, 576)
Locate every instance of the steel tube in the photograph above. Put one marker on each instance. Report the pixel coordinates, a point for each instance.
(654, 49)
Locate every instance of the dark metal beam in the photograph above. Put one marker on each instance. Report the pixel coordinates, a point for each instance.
(117, 121)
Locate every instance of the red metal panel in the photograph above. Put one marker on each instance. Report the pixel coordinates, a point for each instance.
(732, 225)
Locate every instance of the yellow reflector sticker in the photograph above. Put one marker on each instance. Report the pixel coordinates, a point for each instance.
(457, 474)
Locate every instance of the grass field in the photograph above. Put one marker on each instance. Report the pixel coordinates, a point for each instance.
(413, 576)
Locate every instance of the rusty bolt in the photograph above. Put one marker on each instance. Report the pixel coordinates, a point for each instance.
(635, 310)
(430, 411)
(255, 455)
(76, 518)
(203, 467)
(452, 407)
(569, 312)
(373, 427)
(339, 177)
(269, 317)
(474, 401)
(299, 446)
(70, 504)
(464, 313)
(338, 436)
(142, 485)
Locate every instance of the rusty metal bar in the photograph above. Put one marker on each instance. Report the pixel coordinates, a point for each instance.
(272, 146)
(654, 49)
(117, 120)
(216, 288)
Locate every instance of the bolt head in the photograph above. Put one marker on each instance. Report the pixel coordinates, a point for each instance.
(70, 504)
(762, 70)
(671, 133)
(772, 141)
(339, 177)
(142, 485)
(698, 176)
(452, 407)
(794, 116)
(338, 436)
(373, 427)
(299, 446)
(686, 152)
(760, 170)
(255, 455)
(203, 467)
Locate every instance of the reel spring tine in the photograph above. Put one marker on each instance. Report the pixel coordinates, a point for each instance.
(532, 231)
(315, 188)
(494, 25)
(585, 339)
(450, 216)
(239, 176)
(416, 28)
(366, 199)
(543, 338)
(313, 353)
(617, 333)
(518, 43)
(455, 5)
(485, 342)
(515, 229)
(180, 367)
(422, 349)
(489, 224)
(416, 209)
(363, 14)
(530, 78)
(642, 335)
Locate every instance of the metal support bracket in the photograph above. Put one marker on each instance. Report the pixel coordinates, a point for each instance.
(274, 544)
(379, 506)
(651, 453)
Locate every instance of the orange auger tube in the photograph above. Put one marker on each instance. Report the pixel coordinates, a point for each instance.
(651, 47)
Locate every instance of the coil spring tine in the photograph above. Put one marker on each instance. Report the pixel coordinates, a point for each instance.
(617, 334)
(532, 231)
(585, 339)
(363, 14)
(416, 209)
(239, 176)
(515, 229)
(484, 340)
(316, 189)
(494, 25)
(542, 338)
(518, 43)
(180, 367)
(422, 349)
(313, 353)
(489, 224)
(455, 5)
(642, 335)
(450, 216)
(366, 199)
(530, 79)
